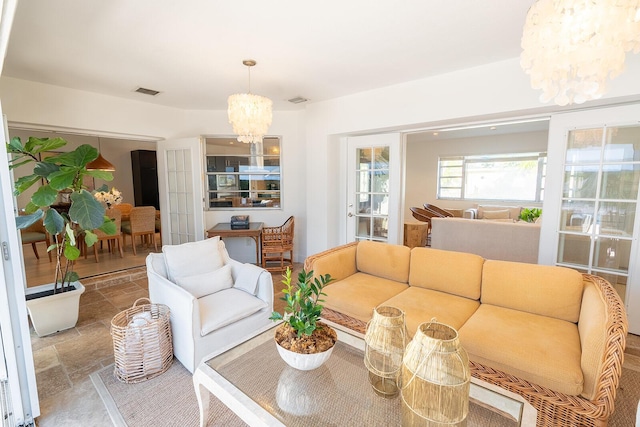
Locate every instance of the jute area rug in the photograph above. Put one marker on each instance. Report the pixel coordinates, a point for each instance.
(169, 400)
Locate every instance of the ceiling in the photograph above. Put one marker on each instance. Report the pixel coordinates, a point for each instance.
(192, 51)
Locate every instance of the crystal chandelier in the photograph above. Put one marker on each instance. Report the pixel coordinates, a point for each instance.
(249, 114)
(571, 47)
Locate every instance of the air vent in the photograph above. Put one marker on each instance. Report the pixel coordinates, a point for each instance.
(146, 91)
(298, 100)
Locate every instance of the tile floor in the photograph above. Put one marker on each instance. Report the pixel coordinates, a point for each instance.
(63, 361)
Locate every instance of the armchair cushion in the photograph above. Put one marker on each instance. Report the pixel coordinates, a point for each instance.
(225, 307)
(207, 283)
(194, 258)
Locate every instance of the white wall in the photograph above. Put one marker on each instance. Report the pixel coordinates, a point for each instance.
(422, 162)
(492, 91)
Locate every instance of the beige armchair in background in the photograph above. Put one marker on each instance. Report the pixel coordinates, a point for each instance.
(36, 233)
(142, 222)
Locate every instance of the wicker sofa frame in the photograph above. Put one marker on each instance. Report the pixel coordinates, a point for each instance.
(554, 409)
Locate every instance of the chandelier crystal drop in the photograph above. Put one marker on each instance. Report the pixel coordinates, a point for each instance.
(571, 47)
(249, 114)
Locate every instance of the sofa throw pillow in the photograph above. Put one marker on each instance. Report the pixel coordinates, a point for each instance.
(193, 258)
(248, 277)
(207, 283)
(499, 214)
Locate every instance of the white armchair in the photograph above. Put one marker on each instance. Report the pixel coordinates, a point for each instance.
(203, 325)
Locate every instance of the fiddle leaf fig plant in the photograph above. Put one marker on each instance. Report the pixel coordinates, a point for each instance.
(303, 308)
(63, 173)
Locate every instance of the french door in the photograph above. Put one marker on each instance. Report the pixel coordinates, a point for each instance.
(596, 210)
(374, 188)
(181, 190)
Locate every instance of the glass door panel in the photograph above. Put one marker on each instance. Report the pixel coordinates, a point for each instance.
(372, 193)
(600, 192)
(373, 188)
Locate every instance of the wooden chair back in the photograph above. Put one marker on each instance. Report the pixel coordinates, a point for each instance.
(437, 212)
(276, 242)
(125, 209)
(143, 219)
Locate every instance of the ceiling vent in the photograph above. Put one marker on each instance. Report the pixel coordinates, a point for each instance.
(298, 100)
(146, 91)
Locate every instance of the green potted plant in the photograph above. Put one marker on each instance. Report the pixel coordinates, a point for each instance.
(530, 215)
(55, 306)
(302, 340)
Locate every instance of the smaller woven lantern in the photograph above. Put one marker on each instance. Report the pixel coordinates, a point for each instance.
(385, 341)
(435, 378)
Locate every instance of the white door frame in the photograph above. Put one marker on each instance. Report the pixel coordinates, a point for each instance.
(559, 127)
(14, 327)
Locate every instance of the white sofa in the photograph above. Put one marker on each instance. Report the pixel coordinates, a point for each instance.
(201, 326)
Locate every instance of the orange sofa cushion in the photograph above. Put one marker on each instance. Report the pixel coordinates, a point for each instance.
(359, 294)
(539, 349)
(421, 305)
(455, 273)
(538, 289)
(384, 260)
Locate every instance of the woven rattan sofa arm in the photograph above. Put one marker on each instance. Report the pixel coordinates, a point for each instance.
(616, 328)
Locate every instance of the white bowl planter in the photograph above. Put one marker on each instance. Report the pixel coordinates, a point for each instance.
(303, 362)
(53, 313)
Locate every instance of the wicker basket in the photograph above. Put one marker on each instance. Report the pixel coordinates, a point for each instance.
(142, 344)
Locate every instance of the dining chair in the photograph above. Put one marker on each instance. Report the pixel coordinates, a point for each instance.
(116, 239)
(277, 242)
(142, 222)
(125, 209)
(36, 233)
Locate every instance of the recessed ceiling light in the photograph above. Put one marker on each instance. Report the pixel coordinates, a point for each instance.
(435, 134)
(298, 100)
(493, 128)
(146, 91)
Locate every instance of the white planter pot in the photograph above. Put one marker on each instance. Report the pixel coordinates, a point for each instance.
(53, 313)
(303, 362)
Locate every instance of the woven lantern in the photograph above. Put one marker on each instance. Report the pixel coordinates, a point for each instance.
(435, 378)
(385, 341)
